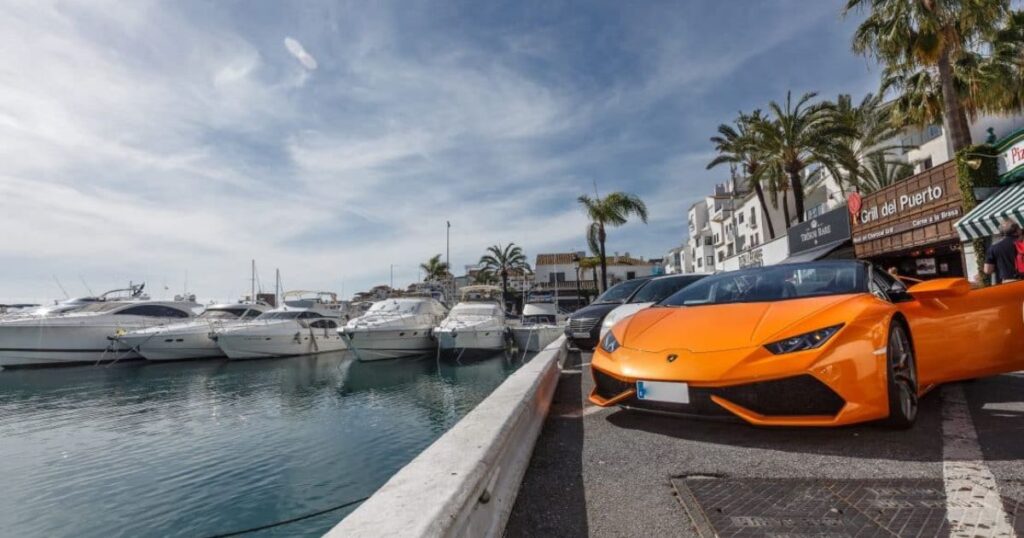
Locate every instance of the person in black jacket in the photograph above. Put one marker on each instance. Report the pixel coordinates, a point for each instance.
(1001, 258)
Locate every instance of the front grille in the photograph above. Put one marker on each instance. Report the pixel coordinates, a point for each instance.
(799, 395)
(582, 325)
(608, 387)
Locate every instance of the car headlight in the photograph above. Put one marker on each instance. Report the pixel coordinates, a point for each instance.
(610, 343)
(803, 342)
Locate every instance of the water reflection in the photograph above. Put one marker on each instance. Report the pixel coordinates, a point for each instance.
(197, 448)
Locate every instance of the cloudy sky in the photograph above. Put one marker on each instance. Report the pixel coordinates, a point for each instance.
(147, 140)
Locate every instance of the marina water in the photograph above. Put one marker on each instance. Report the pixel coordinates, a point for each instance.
(211, 447)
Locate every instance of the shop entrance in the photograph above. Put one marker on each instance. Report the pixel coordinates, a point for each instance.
(941, 260)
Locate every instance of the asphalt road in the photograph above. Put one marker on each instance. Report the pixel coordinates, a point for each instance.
(610, 472)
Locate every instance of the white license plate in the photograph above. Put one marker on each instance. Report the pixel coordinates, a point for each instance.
(661, 391)
(581, 335)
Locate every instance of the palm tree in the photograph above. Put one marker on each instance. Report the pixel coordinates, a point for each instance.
(878, 172)
(932, 34)
(434, 269)
(484, 277)
(592, 263)
(799, 135)
(501, 261)
(740, 144)
(871, 126)
(612, 210)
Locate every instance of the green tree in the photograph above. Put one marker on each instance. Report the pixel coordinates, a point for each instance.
(501, 260)
(799, 135)
(870, 134)
(879, 172)
(931, 34)
(740, 144)
(592, 263)
(434, 269)
(611, 211)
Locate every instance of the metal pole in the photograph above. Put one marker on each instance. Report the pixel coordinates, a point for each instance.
(392, 276)
(448, 245)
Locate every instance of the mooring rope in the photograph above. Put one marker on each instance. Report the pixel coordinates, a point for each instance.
(287, 521)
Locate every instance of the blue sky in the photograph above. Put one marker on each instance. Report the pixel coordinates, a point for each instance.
(145, 140)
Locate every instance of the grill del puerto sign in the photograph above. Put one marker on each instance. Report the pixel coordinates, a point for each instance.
(1011, 156)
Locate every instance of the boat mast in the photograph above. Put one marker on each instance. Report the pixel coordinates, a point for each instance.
(252, 282)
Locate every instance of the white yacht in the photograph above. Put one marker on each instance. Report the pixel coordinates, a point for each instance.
(191, 339)
(540, 325)
(282, 332)
(325, 302)
(88, 334)
(395, 328)
(476, 323)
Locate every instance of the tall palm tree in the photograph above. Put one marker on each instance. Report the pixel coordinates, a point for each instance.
(799, 135)
(740, 144)
(501, 260)
(931, 34)
(592, 263)
(879, 172)
(611, 211)
(872, 129)
(434, 269)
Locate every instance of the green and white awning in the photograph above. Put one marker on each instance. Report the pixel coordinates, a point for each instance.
(984, 220)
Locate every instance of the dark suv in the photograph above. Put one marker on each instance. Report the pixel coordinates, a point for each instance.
(584, 328)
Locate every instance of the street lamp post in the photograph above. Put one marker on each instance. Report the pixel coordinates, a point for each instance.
(576, 258)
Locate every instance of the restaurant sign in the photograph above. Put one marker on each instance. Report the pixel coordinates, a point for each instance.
(900, 227)
(1011, 155)
(826, 228)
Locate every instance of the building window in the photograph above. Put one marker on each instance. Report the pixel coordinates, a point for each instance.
(926, 164)
(715, 240)
(755, 240)
(753, 217)
(721, 255)
(556, 277)
(731, 250)
(711, 261)
(700, 262)
(709, 241)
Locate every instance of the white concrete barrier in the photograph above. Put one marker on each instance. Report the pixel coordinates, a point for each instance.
(466, 482)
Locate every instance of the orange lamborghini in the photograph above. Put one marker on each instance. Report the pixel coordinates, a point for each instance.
(808, 344)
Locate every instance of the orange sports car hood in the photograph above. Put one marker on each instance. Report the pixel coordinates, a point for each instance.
(719, 327)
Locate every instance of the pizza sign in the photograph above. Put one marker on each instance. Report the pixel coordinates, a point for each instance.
(1012, 157)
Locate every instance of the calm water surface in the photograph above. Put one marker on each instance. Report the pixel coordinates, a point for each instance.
(210, 447)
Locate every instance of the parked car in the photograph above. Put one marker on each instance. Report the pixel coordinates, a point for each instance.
(655, 291)
(584, 327)
(824, 343)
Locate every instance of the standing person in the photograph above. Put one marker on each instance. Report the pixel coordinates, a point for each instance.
(1001, 259)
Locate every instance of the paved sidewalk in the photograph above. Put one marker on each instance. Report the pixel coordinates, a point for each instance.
(608, 472)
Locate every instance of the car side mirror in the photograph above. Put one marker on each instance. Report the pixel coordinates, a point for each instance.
(940, 288)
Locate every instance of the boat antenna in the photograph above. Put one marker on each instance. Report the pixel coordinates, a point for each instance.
(252, 282)
(64, 291)
(277, 287)
(87, 288)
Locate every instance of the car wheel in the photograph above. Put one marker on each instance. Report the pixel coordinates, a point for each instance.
(902, 378)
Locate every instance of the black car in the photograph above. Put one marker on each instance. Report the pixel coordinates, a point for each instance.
(650, 290)
(584, 328)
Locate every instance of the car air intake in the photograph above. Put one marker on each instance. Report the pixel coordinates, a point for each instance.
(608, 387)
(799, 395)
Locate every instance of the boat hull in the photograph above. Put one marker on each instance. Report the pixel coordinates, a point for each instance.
(36, 344)
(372, 345)
(262, 346)
(483, 339)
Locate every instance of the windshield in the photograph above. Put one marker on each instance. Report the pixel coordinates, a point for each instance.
(660, 288)
(294, 314)
(478, 310)
(775, 283)
(99, 307)
(220, 314)
(620, 292)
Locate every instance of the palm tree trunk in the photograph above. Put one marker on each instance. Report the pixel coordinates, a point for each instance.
(766, 216)
(604, 261)
(785, 209)
(595, 281)
(952, 113)
(797, 185)
(504, 289)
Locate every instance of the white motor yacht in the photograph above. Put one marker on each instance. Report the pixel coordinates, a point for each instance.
(476, 323)
(191, 339)
(540, 325)
(395, 328)
(325, 302)
(282, 332)
(88, 334)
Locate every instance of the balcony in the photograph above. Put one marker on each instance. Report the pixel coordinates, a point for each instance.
(721, 213)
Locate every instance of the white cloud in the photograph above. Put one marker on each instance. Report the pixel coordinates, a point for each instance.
(299, 52)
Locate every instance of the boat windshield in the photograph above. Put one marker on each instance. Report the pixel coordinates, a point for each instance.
(99, 307)
(620, 292)
(221, 313)
(293, 314)
(475, 311)
(660, 288)
(395, 307)
(775, 283)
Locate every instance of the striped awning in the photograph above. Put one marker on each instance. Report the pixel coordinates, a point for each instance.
(984, 220)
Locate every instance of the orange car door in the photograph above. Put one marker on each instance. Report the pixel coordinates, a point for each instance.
(969, 335)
